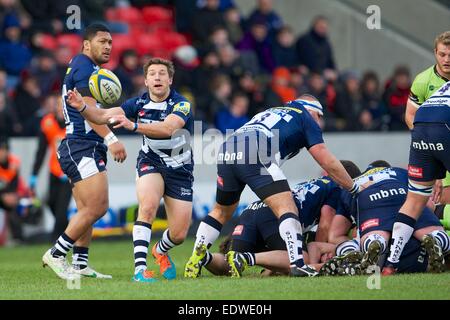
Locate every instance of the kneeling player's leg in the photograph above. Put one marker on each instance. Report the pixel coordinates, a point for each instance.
(373, 245)
(150, 189)
(403, 228)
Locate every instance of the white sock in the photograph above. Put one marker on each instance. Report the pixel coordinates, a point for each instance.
(401, 233)
(142, 233)
(165, 244)
(442, 239)
(291, 232)
(208, 231)
(347, 246)
(373, 237)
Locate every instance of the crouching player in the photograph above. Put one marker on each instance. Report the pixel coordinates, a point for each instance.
(256, 239)
(376, 210)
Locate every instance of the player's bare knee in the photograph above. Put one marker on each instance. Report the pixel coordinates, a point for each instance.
(222, 213)
(178, 237)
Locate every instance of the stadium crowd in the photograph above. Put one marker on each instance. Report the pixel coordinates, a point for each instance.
(230, 66)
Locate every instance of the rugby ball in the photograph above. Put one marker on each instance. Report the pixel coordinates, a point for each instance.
(105, 87)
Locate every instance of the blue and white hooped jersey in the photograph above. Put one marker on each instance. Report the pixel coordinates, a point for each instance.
(77, 76)
(380, 174)
(292, 126)
(348, 205)
(436, 109)
(174, 152)
(311, 195)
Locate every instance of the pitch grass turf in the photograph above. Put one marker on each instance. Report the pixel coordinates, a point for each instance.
(22, 277)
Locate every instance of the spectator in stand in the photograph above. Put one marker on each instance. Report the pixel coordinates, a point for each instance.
(9, 184)
(207, 70)
(298, 81)
(264, 11)
(14, 54)
(281, 85)
(127, 68)
(372, 115)
(317, 87)
(46, 73)
(63, 55)
(218, 37)
(223, 4)
(220, 89)
(47, 15)
(348, 102)
(257, 40)
(284, 51)
(233, 24)
(185, 11)
(205, 20)
(230, 62)
(9, 125)
(185, 61)
(250, 87)
(235, 116)
(27, 104)
(395, 97)
(314, 49)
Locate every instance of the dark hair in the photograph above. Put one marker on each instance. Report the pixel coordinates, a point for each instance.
(351, 168)
(92, 29)
(379, 163)
(307, 95)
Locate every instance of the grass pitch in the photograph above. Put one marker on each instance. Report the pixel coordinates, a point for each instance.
(22, 277)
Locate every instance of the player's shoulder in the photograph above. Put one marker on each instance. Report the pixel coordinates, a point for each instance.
(179, 102)
(138, 100)
(80, 67)
(81, 61)
(425, 75)
(175, 97)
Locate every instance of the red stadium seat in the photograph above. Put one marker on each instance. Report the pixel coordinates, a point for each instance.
(73, 41)
(111, 14)
(48, 41)
(122, 42)
(158, 18)
(112, 64)
(148, 43)
(130, 15)
(172, 40)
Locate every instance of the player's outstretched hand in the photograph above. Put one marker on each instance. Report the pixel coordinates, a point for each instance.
(118, 151)
(75, 99)
(121, 121)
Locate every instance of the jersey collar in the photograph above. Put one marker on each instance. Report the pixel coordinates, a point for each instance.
(437, 73)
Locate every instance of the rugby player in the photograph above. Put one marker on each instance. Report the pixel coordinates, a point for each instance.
(316, 200)
(82, 156)
(164, 164)
(375, 213)
(252, 156)
(429, 160)
(427, 82)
